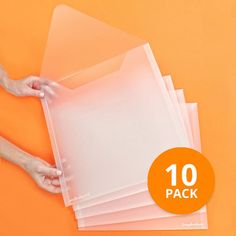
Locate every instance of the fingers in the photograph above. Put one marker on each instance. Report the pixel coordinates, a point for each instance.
(38, 87)
(45, 175)
(48, 187)
(49, 91)
(34, 93)
(32, 79)
(53, 189)
(41, 81)
(53, 181)
(49, 171)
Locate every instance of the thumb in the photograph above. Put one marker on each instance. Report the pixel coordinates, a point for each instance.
(34, 93)
(49, 171)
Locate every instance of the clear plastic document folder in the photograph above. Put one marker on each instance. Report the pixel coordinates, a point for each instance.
(140, 207)
(110, 128)
(111, 115)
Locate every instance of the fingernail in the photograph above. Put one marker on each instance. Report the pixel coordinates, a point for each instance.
(59, 172)
(41, 94)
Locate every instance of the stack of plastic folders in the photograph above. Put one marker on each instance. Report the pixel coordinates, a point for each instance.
(112, 114)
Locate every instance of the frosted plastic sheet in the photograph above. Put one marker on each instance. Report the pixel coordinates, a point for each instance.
(183, 107)
(116, 204)
(111, 111)
(192, 109)
(178, 101)
(106, 77)
(150, 217)
(193, 221)
(135, 214)
(149, 211)
(174, 96)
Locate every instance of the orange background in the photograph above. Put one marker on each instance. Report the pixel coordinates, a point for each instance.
(193, 40)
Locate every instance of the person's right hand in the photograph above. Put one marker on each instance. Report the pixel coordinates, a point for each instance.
(45, 175)
(30, 86)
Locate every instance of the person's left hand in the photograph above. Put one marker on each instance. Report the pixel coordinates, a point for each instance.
(30, 86)
(45, 175)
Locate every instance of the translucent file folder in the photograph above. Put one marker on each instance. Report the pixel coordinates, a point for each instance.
(183, 222)
(138, 214)
(178, 100)
(134, 201)
(139, 207)
(150, 216)
(112, 114)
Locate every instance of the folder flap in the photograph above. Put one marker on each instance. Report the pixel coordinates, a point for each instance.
(77, 42)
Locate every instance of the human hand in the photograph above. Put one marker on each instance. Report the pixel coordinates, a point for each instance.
(45, 175)
(30, 86)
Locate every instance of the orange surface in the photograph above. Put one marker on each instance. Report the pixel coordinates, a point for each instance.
(192, 40)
